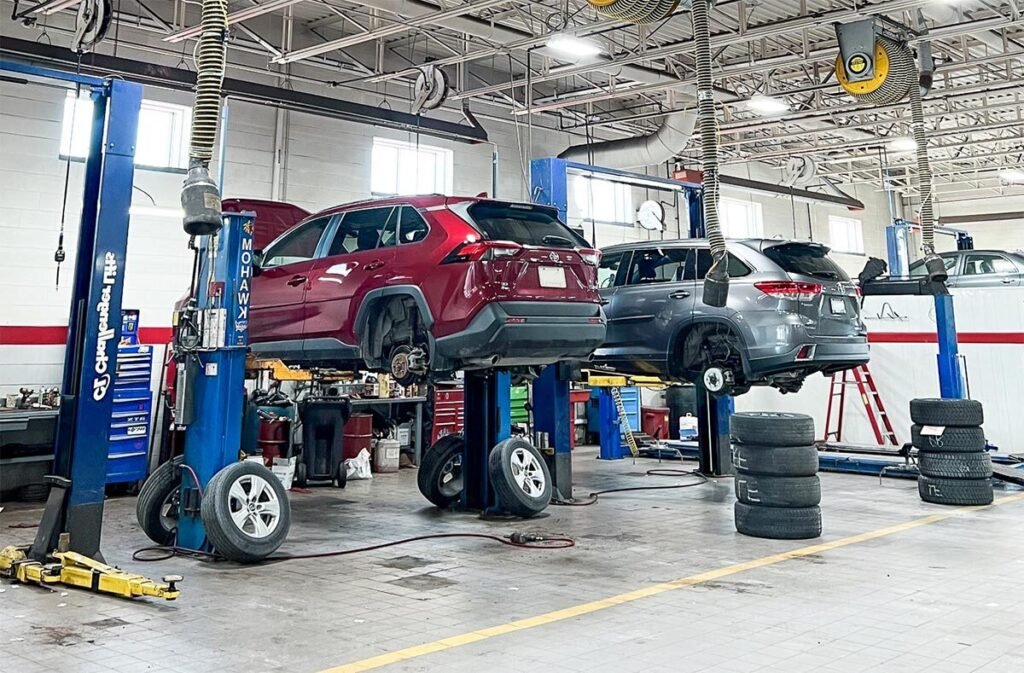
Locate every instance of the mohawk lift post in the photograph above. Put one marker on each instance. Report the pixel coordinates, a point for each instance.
(66, 549)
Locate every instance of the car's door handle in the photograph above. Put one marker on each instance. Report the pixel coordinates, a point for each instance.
(679, 294)
(375, 264)
(1008, 281)
(297, 280)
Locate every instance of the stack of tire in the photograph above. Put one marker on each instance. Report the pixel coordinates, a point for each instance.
(954, 467)
(777, 488)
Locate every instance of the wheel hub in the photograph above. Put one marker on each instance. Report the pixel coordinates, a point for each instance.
(527, 472)
(254, 507)
(400, 365)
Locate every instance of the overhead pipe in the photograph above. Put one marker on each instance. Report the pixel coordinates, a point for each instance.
(650, 150)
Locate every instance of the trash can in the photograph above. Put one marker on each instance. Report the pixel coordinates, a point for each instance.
(323, 423)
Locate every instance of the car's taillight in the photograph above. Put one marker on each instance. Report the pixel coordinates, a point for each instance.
(591, 257)
(483, 250)
(789, 289)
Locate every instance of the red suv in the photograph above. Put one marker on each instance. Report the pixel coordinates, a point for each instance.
(407, 285)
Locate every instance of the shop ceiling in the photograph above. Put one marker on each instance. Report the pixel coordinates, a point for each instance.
(497, 57)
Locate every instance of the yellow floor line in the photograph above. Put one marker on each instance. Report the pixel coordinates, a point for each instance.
(646, 592)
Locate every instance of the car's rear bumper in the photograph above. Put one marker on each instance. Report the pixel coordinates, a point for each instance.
(825, 354)
(526, 333)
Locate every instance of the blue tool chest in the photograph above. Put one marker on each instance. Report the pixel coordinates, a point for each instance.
(128, 456)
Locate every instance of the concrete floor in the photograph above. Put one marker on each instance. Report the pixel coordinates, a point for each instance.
(943, 594)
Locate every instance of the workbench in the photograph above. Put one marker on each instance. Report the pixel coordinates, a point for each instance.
(26, 446)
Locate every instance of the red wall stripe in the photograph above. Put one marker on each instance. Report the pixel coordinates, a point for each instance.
(1005, 338)
(56, 335)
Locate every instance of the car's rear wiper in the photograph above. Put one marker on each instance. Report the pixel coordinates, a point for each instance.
(552, 239)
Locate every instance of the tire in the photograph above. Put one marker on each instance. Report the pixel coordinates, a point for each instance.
(952, 440)
(955, 465)
(256, 535)
(300, 475)
(520, 477)
(955, 491)
(958, 413)
(774, 428)
(156, 508)
(439, 477)
(780, 461)
(778, 491)
(778, 523)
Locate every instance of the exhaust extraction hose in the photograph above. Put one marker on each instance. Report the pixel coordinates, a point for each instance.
(716, 282)
(200, 196)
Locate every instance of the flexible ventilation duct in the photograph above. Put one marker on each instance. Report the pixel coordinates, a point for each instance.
(650, 150)
(634, 11)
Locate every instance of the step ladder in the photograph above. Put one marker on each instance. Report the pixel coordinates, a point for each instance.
(869, 397)
(620, 409)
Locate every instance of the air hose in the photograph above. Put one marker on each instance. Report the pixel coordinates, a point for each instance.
(200, 196)
(635, 11)
(716, 282)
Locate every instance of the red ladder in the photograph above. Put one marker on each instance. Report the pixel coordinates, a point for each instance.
(869, 396)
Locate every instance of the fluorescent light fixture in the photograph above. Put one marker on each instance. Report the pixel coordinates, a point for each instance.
(155, 211)
(573, 47)
(903, 145)
(1012, 176)
(767, 105)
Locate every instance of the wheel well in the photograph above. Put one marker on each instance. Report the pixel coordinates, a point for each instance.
(388, 315)
(686, 355)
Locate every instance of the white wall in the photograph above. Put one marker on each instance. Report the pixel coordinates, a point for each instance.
(1002, 235)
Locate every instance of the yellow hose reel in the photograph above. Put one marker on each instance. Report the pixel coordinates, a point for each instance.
(635, 11)
(873, 65)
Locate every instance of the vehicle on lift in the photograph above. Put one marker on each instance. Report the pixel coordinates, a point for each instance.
(978, 268)
(792, 311)
(410, 285)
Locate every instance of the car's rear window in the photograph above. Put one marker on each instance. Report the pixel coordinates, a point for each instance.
(807, 260)
(523, 224)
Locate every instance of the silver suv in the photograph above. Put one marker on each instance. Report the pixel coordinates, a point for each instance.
(792, 311)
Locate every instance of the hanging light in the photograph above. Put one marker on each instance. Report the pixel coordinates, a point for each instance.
(767, 105)
(905, 144)
(1012, 176)
(573, 47)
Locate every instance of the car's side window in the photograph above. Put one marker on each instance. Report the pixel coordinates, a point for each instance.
(918, 270)
(978, 264)
(412, 227)
(608, 271)
(696, 271)
(362, 230)
(299, 245)
(659, 265)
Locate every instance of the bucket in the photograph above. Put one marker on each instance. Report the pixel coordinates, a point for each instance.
(385, 455)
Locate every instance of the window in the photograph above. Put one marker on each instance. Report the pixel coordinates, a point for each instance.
(523, 224)
(741, 219)
(918, 270)
(299, 245)
(363, 230)
(601, 201)
(658, 266)
(977, 264)
(412, 228)
(846, 234)
(736, 268)
(806, 259)
(399, 168)
(162, 141)
(609, 269)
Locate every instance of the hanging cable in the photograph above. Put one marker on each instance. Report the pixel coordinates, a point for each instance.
(59, 255)
(716, 282)
(200, 196)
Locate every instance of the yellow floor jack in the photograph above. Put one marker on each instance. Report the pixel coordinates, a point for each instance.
(76, 570)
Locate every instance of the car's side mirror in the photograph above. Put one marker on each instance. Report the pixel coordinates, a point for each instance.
(257, 262)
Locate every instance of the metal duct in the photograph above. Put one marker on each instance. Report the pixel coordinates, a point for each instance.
(649, 150)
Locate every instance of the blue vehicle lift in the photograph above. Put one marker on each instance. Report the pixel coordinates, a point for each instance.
(549, 185)
(75, 505)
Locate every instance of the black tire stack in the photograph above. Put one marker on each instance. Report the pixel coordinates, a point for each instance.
(777, 488)
(955, 468)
